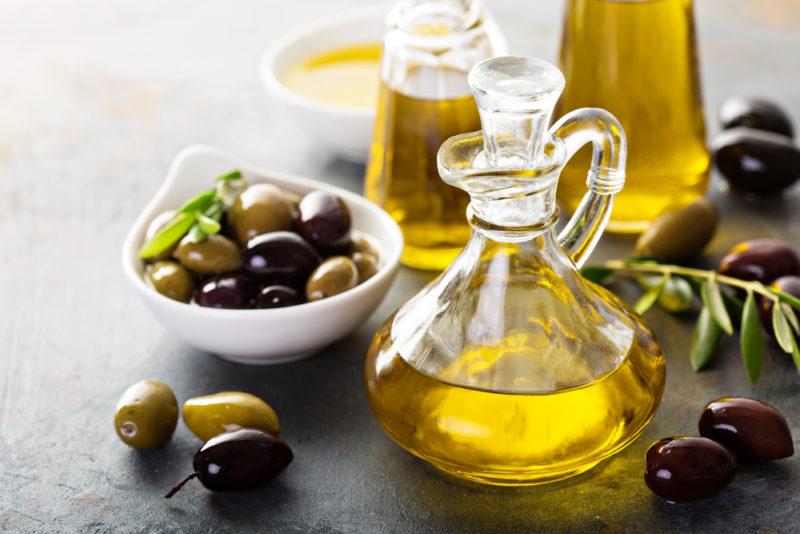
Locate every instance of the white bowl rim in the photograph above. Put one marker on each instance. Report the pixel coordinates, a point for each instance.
(129, 256)
(267, 67)
(272, 82)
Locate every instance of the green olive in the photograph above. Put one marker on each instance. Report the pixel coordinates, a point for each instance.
(259, 209)
(677, 295)
(214, 254)
(157, 224)
(679, 235)
(359, 243)
(146, 414)
(170, 279)
(334, 275)
(367, 265)
(293, 201)
(211, 415)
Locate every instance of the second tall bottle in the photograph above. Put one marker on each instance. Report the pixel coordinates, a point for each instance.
(429, 48)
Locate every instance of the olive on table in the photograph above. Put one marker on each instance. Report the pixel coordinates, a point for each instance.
(170, 279)
(753, 430)
(366, 265)
(210, 415)
(146, 415)
(280, 258)
(755, 113)
(157, 224)
(763, 260)
(688, 468)
(756, 162)
(788, 284)
(680, 234)
(230, 291)
(324, 220)
(277, 296)
(214, 254)
(259, 209)
(333, 276)
(238, 460)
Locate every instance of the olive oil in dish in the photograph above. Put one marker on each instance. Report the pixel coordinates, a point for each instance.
(345, 77)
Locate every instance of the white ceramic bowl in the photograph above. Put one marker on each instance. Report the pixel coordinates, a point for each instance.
(346, 131)
(272, 335)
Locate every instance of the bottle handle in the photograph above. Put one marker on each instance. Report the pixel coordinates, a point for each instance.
(605, 178)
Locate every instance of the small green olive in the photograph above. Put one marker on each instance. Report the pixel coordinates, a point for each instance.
(679, 235)
(170, 279)
(259, 209)
(677, 295)
(214, 254)
(146, 414)
(293, 201)
(157, 224)
(334, 275)
(367, 265)
(360, 243)
(211, 415)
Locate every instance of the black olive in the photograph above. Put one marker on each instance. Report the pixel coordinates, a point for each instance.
(763, 260)
(787, 284)
(755, 113)
(277, 296)
(280, 258)
(756, 162)
(238, 460)
(232, 291)
(324, 220)
(688, 468)
(753, 430)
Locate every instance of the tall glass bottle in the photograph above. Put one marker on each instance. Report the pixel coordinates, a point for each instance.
(428, 49)
(638, 59)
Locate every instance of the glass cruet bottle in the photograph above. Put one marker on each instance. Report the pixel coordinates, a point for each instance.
(428, 49)
(510, 368)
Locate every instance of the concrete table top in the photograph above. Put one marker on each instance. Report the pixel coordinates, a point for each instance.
(97, 98)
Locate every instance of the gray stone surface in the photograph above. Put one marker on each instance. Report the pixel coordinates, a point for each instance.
(95, 100)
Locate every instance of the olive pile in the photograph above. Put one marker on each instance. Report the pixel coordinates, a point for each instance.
(734, 430)
(264, 248)
(242, 447)
(756, 152)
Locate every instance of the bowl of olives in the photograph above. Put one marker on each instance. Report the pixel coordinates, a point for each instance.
(257, 266)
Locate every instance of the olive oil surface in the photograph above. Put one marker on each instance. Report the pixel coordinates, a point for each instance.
(344, 77)
(402, 174)
(506, 437)
(637, 59)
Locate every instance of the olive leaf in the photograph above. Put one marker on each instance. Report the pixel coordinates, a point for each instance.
(196, 234)
(650, 296)
(788, 298)
(170, 234)
(751, 339)
(198, 202)
(233, 175)
(595, 274)
(796, 355)
(704, 340)
(712, 299)
(208, 225)
(791, 317)
(230, 188)
(783, 332)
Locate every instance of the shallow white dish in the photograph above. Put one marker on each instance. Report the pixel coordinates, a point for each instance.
(346, 131)
(262, 336)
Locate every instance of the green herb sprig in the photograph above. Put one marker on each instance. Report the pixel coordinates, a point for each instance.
(720, 313)
(198, 217)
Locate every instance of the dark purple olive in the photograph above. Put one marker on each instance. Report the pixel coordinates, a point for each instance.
(756, 162)
(277, 297)
(232, 291)
(787, 284)
(325, 222)
(688, 468)
(760, 259)
(280, 258)
(755, 113)
(238, 460)
(753, 430)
